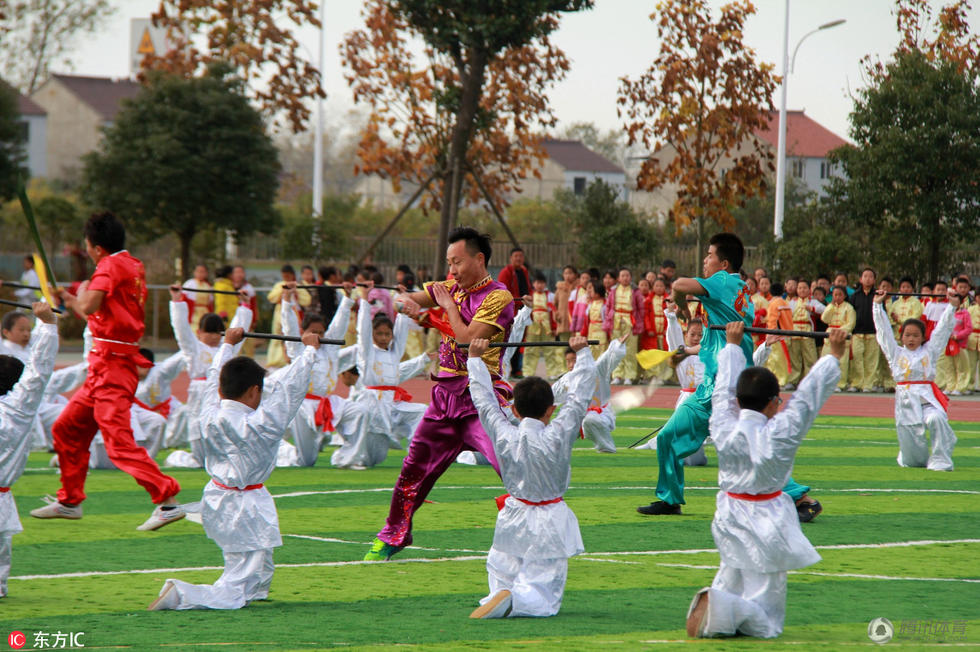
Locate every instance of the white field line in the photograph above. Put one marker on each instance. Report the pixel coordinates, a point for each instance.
(862, 576)
(327, 564)
(625, 488)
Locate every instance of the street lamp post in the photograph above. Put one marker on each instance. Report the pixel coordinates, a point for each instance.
(318, 147)
(788, 66)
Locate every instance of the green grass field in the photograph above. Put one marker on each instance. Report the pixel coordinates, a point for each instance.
(631, 589)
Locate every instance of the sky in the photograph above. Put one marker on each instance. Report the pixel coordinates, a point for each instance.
(613, 40)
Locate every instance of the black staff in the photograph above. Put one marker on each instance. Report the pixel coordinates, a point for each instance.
(912, 294)
(175, 287)
(511, 345)
(363, 285)
(646, 437)
(19, 286)
(778, 331)
(26, 306)
(288, 338)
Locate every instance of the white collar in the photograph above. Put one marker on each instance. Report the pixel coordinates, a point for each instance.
(235, 406)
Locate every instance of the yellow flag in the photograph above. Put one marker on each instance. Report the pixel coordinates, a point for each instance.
(652, 357)
(42, 275)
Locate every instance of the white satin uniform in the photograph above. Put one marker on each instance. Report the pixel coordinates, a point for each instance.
(532, 543)
(758, 540)
(600, 420)
(62, 381)
(388, 420)
(521, 321)
(916, 407)
(18, 408)
(199, 357)
(240, 447)
(331, 360)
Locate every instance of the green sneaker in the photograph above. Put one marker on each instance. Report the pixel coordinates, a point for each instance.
(381, 551)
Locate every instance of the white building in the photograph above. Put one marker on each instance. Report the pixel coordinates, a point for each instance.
(808, 144)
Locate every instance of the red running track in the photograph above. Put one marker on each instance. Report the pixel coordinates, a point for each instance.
(845, 405)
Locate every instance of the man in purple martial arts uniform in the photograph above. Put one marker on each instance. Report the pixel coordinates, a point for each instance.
(475, 306)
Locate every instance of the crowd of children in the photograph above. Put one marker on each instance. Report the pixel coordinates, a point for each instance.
(239, 416)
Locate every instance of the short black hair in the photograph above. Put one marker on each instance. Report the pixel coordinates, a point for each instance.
(569, 349)
(623, 269)
(728, 246)
(224, 271)
(918, 323)
(842, 288)
(907, 279)
(476, 242)
(326, 272)
(571, 267)
(105, 230)
(238, 375)
(10, 370)
(29, 258)
(598, 287)
(352, 370)
(287, 269)
(776, 289)
(668, 263)
(869, 269)
(378, 278)
(539, 276)
(888, 280)
(382, 319)
(148, 354)
(11, 318)
(307, 267)
(408, 279)
(756, 386)
(404, 269)
(311, 318)
(516, 249)
(211, 323)
(928, 284)
(533, 397)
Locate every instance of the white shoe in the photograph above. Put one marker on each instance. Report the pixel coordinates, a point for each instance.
(498, 606)
(161, 517)
(53, 463)
(617, 381)
(55, 509)
(628, 381)
(168, 598)
(956, 392)
(853, 390)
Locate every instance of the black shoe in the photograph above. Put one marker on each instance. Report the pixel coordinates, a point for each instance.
(659, 508)
(808, 511)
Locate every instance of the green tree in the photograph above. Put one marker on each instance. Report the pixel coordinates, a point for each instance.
(609, 233)
(58, 220)
(185, 155)
(912, 177)
(12, 156)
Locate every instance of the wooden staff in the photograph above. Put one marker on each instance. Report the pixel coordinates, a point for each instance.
(26, 306)
(778, 331)
(646, 437)
(289, 338)
(19, 286)
(511, 345)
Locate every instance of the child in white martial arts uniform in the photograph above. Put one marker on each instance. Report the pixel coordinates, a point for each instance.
(919, 404)
(242, 424)
(391, 414)
(536, 532)
(689, 369)
(21, 392)
(154, 393)
(521, 321)
(66, 379)
(600, 420)
(756, 526)
(199, 351)
(322, 410)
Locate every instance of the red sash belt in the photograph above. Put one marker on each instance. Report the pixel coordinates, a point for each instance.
(400, 394)
(323, 417)
(248, 488)
(755, 497)
(789, 366)
(502, 500)
(4, 490)
(125, 349)
(200, 378)
(938, 393)
(692, 390)
(592, 408)
(162, 408)
(624, 311)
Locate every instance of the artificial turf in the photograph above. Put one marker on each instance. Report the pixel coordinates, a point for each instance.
(631, 589)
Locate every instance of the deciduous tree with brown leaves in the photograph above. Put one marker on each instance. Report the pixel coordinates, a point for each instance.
(255, 38)
(698, 108)
(460, 119)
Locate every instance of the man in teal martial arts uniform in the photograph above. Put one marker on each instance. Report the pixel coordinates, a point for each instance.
(723, 299)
